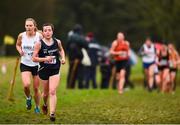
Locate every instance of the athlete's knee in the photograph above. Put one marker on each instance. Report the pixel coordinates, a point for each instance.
(26, 86)
(122, 74)
(45, 95)
(36, 90)
(158, 81)
(52, 92)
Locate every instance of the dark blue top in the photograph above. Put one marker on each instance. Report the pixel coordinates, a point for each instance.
(93, 49)
(52, 50)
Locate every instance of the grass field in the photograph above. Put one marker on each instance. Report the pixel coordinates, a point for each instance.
(91, 106)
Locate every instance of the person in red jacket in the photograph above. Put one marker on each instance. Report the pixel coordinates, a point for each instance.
(120, 51)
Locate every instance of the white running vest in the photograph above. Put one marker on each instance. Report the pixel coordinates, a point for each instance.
(151, 56)
(27, 46)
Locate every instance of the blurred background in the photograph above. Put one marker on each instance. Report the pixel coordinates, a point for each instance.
(136, 18)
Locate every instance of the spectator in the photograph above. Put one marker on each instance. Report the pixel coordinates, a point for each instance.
(93, 49)
(76, 41)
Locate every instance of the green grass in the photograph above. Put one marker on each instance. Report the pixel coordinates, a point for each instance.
(92, 106)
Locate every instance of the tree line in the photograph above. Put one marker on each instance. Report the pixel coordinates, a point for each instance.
(138, 19)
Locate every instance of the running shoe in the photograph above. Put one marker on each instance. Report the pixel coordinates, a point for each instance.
(52, 117)
(37, 110)
(45, 109)
(28, 103)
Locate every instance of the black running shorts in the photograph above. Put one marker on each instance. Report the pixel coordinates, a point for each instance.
(173, 70)
(45, 73)
(32, 69)
(121, 65)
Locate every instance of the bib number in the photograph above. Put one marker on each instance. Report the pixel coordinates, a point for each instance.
(53, 61)
(164, 62)
(123, 54)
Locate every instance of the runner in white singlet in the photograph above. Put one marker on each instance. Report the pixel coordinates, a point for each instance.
(25, 46)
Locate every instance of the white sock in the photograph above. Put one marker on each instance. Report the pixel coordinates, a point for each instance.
(28, 98)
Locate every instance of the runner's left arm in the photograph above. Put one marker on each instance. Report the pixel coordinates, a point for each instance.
(61, 52)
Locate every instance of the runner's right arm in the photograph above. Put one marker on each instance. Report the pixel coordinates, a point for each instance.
(18, 44)
(114, 44)
(35, 57)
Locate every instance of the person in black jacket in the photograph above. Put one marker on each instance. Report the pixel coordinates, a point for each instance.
(93, 49)
(105, 68)
(76, 41)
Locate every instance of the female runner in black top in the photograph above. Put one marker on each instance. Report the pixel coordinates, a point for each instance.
(47, 52)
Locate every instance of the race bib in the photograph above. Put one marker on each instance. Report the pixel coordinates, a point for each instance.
(171, 64)
(123, 54)
(53, 61)
(164, 62)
